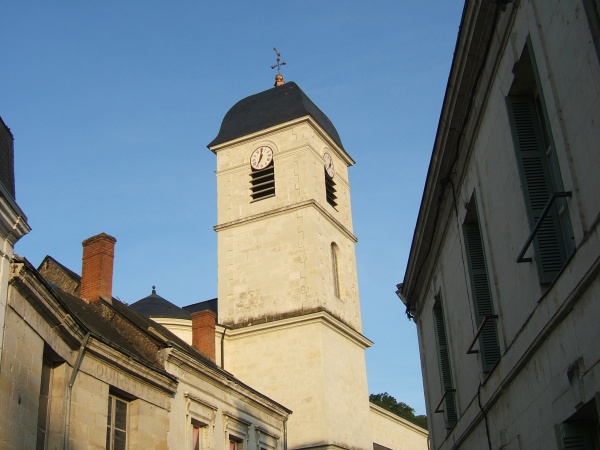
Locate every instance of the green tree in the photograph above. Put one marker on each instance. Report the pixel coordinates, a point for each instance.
(386, 401)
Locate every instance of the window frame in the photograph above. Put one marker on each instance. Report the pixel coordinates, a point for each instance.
(481, 292)
(335, 268)
(445, 365)
(539, 169)
(262, 183)
(111, 418)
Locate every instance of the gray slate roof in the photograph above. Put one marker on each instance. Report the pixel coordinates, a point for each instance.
(156, 306)
(269, 108)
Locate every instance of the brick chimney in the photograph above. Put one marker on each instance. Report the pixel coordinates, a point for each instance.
(203, 332)
(97, 267)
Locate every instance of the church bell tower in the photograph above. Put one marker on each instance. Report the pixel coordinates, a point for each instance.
(287, 283)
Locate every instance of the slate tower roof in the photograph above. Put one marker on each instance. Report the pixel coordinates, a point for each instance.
(156, 306)
(269, 108)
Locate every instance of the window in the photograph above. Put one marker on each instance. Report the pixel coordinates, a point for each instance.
(198, 434)
(235, 443)
(43, 421)
(335, 269)
(581, 431)
(330, 190)
(262, 182)
(195, 437)
(480, 290)
(116, 424)
(539, 170)
(448, 399)
(592, 11)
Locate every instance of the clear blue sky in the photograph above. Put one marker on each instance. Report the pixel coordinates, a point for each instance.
(112, 104)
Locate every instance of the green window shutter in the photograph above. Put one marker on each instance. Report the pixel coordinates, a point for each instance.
(537, 185)
(445, 368)
(482, 297)
(573, 436)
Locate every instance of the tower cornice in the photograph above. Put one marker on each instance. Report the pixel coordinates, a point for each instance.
(285, 210)
(303, 319)
(276, 128)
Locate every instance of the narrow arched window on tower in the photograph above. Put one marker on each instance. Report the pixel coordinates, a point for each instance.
(335, 252)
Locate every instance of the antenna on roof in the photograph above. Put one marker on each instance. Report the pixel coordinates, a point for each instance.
(278, 78)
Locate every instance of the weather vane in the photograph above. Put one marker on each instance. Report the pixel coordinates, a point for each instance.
(278, 78)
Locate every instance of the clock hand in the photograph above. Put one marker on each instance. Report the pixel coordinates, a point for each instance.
(260, 157)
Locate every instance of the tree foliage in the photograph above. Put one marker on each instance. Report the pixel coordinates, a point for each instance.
(386, 401)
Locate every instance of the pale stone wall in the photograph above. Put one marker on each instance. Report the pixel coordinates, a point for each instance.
(31, 336)
(276, 271)
(274, 255)
(19, 383)
(181, 328)
(313, 366)
(204, 398)
(396, 433)
(543, 330)
(13, 226)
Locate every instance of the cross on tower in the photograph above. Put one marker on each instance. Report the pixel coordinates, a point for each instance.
(278, 78)
(279, 63)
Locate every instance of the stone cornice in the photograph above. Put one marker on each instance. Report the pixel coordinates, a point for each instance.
(274, 129)
(286, 210)
(376, 409)
(45, 304)
(13, 223)
(227, 382)
(123, 362)
(305, 319)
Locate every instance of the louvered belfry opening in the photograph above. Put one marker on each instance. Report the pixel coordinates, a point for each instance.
(262, 183)
(330, 190)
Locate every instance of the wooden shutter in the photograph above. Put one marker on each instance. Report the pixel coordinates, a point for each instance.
(445, 368)
(482, 297)
(537, 186)
(573, 436)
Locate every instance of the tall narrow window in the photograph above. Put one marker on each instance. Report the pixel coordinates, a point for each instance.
(449, 393)
(198, 434)
(235, 443)
(335, 269)
(480, 290)
(539, 169)
(116, 424)
(44, 405)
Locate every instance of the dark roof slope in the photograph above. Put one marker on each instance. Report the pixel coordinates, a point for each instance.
(269, 108)
(156, 306)
(211, 305)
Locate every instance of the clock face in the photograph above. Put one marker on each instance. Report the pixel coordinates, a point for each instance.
(261, 157)
(328, 164)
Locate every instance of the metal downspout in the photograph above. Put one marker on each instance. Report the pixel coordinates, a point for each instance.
(223, 349)
(285, 434)
(70, 390)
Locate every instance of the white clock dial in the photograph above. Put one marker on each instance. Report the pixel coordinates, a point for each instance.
(328, 164)
(261, 157)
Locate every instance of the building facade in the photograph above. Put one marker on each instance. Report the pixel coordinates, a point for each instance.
(502, 279)
(287, 317)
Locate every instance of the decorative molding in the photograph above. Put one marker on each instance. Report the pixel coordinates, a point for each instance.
(285, 210)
